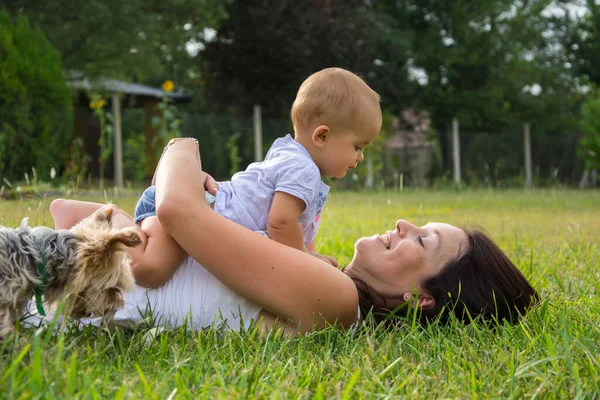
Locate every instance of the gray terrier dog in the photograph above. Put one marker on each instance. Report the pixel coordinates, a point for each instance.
(86, 265)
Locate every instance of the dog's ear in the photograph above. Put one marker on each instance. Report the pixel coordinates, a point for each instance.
(113, 299)
(104, 214)
(127, 236)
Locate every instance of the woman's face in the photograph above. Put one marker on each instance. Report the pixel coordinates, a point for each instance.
(396, 262)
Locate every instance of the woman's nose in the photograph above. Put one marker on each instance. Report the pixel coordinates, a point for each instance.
(404, 227)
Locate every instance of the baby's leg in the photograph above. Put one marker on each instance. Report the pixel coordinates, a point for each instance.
(153, 262)
(67, 213)
(158, 258)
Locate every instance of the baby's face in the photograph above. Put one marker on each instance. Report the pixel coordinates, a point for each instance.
(344, 148)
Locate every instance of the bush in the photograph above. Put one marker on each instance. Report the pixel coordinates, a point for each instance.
(589, 145)
(35, 102)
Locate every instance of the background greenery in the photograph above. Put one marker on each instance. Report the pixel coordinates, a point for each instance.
(554, 353)
(493, 64)
(35, 115)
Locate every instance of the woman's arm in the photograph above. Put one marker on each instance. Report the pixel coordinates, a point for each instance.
(284, 281)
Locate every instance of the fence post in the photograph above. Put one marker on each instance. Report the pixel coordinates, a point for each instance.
(118, 140)
(257, 133)
(370, 179)
(527, 151)
(456, 150)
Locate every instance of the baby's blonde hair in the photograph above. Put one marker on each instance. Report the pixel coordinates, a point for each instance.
(333, 95)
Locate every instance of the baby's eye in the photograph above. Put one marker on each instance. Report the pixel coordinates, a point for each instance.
(357, 148)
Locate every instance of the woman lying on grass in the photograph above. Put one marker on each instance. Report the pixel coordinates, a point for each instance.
(232, 272)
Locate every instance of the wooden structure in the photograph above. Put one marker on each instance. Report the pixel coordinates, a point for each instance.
(118, 94)
(409, 143)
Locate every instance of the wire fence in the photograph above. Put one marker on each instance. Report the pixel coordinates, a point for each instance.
(227, 145)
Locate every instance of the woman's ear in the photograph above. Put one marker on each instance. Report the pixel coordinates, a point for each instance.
(320, 135)
(424, 301)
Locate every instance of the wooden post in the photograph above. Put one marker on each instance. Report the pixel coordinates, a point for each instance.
(527, 151)
(118, 141)
(456, 150)
(257, 134)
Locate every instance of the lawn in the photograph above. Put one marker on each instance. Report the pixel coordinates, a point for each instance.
(552, 235)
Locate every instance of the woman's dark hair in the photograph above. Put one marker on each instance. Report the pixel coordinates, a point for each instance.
(481, 282)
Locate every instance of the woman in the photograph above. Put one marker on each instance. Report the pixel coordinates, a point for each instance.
(437, 269)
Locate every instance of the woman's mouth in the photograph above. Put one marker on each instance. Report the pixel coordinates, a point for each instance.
(386, 239)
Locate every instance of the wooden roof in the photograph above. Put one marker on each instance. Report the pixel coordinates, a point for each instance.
(136, 94)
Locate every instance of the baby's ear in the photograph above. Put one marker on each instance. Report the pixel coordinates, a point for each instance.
(320, 135)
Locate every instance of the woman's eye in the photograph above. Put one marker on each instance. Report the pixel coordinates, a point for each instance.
(420, 241)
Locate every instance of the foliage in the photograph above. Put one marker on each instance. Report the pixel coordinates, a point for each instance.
(105, 142)
(166, 120)
(77, 163)
(551, 235)
(477, 62)
(134, 157)
(234, 153)
(585, 43)
(493, 64)
(35, 103)
(589, 149)
(134, 39)
(261, 54)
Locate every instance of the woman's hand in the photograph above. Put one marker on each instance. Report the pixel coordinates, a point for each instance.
(210, 185)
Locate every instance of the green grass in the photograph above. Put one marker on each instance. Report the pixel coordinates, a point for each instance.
(551, 235)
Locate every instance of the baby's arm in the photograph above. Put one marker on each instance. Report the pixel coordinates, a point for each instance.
(159, 256)
(283, 221)
(283, 225)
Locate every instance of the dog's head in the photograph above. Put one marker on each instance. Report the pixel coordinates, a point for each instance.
(103, 267)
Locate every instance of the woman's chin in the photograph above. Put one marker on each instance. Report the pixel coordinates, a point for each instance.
(364, 242)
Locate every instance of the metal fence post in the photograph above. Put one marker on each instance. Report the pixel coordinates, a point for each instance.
(118, 140)
(527, 151)
(456, 150)
(257, 133)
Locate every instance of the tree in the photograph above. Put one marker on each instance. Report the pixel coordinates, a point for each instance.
(589, 149)
(35, 103)
(136, 39)
(486, 63)
(265, 49)
(585, 43)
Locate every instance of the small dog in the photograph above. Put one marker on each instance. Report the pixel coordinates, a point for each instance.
(86, 265)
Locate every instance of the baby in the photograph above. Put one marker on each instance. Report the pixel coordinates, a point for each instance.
(335, 116)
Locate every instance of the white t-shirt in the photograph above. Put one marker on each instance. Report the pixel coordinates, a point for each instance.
(193, 296)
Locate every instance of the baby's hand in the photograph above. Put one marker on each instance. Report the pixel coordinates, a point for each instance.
(322, 257)
(210, 185)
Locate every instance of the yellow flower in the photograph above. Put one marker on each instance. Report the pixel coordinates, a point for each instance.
(168, 86)
(97, 105)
